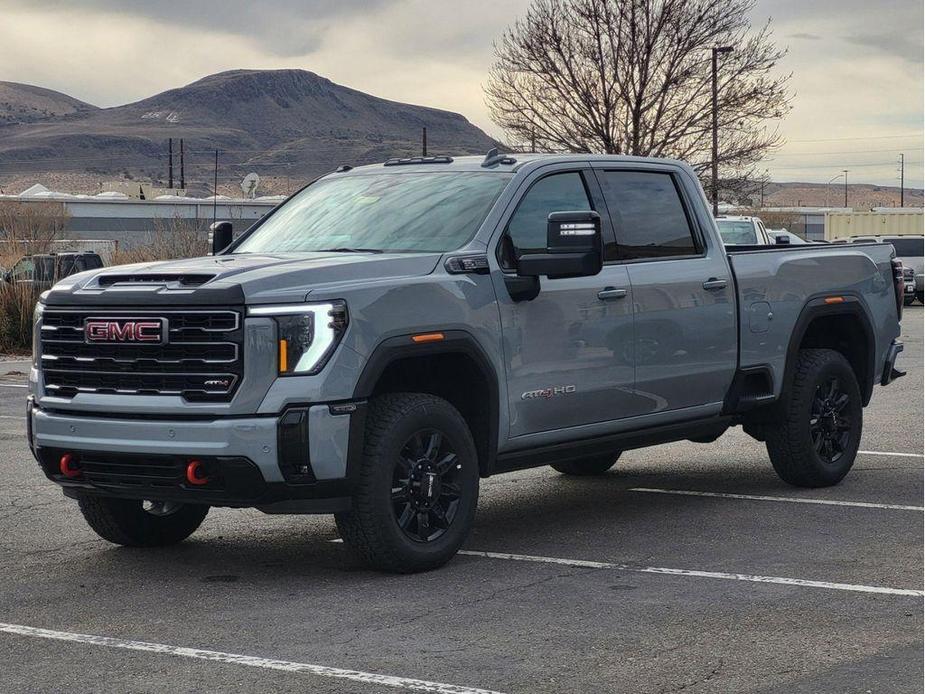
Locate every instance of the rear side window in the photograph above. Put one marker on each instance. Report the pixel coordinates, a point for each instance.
(648, 215)
(907, 248)
(563, 192)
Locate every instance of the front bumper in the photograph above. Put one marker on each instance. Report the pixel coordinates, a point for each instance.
(246, 458)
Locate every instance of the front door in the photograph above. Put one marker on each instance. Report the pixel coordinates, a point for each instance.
(569, 351)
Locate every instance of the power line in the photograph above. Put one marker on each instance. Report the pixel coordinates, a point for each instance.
(863, 137)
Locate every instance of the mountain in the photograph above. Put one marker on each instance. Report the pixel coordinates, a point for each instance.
(25, 103)
(276, 122)
(860, 195)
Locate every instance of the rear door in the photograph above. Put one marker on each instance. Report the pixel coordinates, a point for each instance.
(685, 342)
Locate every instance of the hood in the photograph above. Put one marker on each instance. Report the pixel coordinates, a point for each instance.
(236, 278)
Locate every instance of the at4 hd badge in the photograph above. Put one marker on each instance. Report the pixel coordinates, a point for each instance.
(550, 392)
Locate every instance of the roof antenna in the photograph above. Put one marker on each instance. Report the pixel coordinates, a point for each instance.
(493, 158)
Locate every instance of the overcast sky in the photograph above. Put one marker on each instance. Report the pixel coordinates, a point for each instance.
(857, 65)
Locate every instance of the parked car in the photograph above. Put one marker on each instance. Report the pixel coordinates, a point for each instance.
(750, 231)
(393, 333)
(909, 249)
(42, 270)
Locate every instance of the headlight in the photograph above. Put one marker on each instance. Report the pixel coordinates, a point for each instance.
(307, 334)
(36, 317)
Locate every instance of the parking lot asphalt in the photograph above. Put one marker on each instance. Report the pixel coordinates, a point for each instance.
(674, 572)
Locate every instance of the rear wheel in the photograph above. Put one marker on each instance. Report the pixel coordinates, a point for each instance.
(417, 487)
(817, 438)
(136, 523)
(592, 465)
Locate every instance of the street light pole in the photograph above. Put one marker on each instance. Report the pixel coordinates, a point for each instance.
(845, 171)
(715, 167)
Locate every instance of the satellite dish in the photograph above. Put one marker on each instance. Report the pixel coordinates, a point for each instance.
(249, 185)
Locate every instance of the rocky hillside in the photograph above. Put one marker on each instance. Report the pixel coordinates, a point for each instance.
(276, 122)
(25, 103)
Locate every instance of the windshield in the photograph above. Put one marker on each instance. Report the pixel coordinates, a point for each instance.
(737, 233)
(908, 248)
(435, 212)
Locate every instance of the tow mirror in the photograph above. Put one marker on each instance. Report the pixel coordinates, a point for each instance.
(220, 236)
(573, 247)
(782, 240)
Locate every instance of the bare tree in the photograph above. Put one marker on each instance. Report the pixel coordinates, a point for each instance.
(634, 77)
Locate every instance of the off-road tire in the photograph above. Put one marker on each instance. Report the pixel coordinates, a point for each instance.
(370, 530)
(592, 465)
(126, 522)
(908, 300)
(790, 441)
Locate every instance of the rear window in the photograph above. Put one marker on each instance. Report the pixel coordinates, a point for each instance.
(907, 248)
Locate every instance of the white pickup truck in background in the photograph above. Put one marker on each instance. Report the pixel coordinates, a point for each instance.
(748, 231)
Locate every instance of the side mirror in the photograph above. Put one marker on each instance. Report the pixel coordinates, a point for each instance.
(573, 247)
(220, 236)
(782, 240)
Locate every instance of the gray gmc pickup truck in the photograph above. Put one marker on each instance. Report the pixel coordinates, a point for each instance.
(393, 333)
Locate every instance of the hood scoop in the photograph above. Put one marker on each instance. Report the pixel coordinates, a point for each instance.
(177, 279)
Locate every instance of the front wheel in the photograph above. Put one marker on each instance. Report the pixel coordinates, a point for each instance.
(909, 300)
(592, 465)
(417, 487)
(136, 523)
(817, 438)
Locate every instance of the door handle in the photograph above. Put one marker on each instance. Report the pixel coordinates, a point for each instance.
(608, 293)
(714, 283)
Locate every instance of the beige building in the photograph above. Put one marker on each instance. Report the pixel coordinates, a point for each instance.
(887, 222)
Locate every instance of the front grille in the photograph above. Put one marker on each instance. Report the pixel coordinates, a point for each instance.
(200, 360)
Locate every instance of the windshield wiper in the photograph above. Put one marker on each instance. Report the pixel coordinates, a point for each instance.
(346, 249)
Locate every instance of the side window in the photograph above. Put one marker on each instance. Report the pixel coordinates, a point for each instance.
(526, 229)
(648, 215)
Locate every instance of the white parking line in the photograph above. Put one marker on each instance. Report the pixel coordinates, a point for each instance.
(792, 500)
(246, 660)
(803, 583)
(12, 385)
(898, 455)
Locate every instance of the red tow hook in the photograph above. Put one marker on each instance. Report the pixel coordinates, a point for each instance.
(196, 473)
(68, 466)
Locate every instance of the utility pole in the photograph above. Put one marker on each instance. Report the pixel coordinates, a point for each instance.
(715, 172)
(182, 170)
(845, 171)
(170, 166)
(424, 142)
(902, 180)
(215, 190)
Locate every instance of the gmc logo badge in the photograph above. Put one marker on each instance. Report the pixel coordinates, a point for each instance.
(152, 330)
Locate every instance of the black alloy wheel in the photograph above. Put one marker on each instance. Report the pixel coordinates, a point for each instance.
(425, 486)
(830, 422)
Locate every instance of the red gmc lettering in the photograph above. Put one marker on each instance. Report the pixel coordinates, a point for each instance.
(128, 331)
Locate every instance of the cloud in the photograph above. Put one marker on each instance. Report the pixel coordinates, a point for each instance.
(857, 65)
(904, 45)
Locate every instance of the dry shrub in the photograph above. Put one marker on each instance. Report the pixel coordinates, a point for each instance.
(172, 239)
(29, 227)
(17, 302)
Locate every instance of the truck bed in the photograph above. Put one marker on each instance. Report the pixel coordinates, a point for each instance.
(775, 283)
